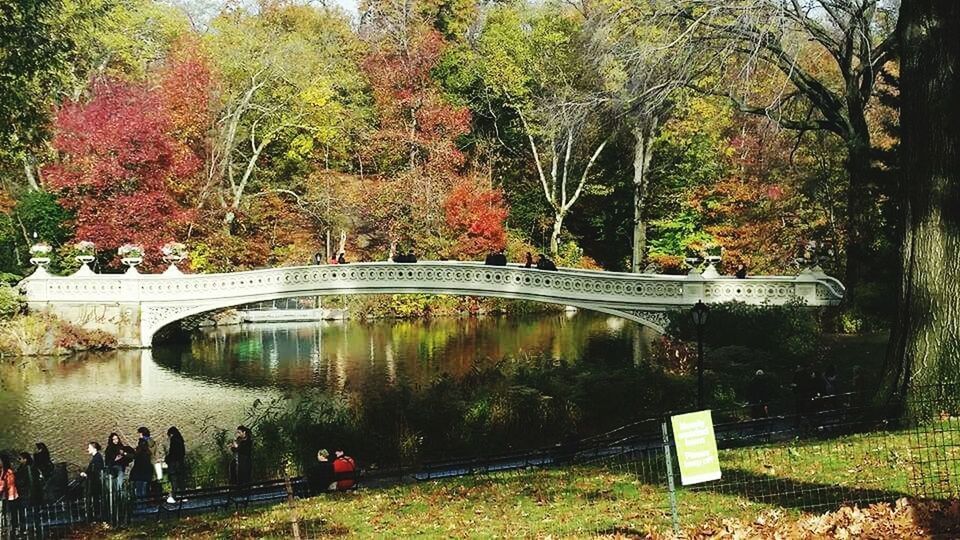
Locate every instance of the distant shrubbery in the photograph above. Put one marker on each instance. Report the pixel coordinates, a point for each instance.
(45, 334)
(790, 332)
(10, 302)
(740, 339)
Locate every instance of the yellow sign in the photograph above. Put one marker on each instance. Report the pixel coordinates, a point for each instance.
(696, 447)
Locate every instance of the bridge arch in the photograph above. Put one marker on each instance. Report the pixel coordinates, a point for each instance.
(160, 317)
(135, 306)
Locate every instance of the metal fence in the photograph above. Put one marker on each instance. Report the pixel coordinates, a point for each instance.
(802, 457)
(838, 452)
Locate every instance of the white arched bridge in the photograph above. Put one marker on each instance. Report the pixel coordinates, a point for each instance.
(134, 306)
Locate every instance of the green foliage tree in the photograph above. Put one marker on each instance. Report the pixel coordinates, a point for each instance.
(35, 51)
(290, 86)
(829, 54)
(531, 60)
(43, 218)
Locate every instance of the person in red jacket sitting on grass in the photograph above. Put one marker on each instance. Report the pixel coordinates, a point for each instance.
(344, 470)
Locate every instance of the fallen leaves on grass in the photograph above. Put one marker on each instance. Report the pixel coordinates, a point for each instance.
(907, 519)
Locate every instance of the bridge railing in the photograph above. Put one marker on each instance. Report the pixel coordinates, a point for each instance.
(612, 290)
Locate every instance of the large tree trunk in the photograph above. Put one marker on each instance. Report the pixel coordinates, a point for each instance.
(642, 153)
(555, 234)
(925, 345)
(859, 224)
(28, 168)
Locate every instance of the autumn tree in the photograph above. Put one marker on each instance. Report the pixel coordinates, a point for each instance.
(415, 141)
(288, 81)
(531, 60)
(924, 352)
(476, 213)
(118, 163)
(829, 54)
(644, 59)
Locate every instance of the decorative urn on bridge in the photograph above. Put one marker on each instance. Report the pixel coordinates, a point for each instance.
(40, 255)
(85, 254)
(173, 253)
(131, 255)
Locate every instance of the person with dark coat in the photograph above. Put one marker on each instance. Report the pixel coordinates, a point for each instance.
(41, 460)
(318, 258)
(176, 460)
(320, 475)
(116, 457)
(142, 471)
(529, 262)
(241, 467)
(342, 258)
(758, 395)
(741, 272)
(544, 263)
(92, 474)
(28, 481)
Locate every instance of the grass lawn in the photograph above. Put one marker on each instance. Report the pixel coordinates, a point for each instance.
(616, 498)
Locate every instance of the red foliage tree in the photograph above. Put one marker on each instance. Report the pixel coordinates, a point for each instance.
(415, 142)
(185, 91)
(476, 215)
(758, 212)
(417, 126)
(118, 161)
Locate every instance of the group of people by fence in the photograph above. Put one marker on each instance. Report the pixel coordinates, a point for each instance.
(37, 480)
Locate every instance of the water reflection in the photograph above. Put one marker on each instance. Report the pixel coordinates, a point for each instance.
(213, 378)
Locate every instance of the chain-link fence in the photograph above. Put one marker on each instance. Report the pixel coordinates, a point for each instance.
(810, 456)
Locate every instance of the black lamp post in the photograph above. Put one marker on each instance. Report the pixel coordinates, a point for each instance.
(699, 314)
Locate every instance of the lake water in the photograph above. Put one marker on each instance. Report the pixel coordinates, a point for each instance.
(211, 380)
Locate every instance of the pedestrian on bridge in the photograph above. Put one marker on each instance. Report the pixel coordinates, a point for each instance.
(544, 263)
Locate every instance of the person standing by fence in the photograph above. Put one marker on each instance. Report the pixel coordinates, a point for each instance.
(42, 461)
(9, 497)
(142, 471)
(93, 475)
(176, 461)
(116, 457)
(241, 467)
(29, 486)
